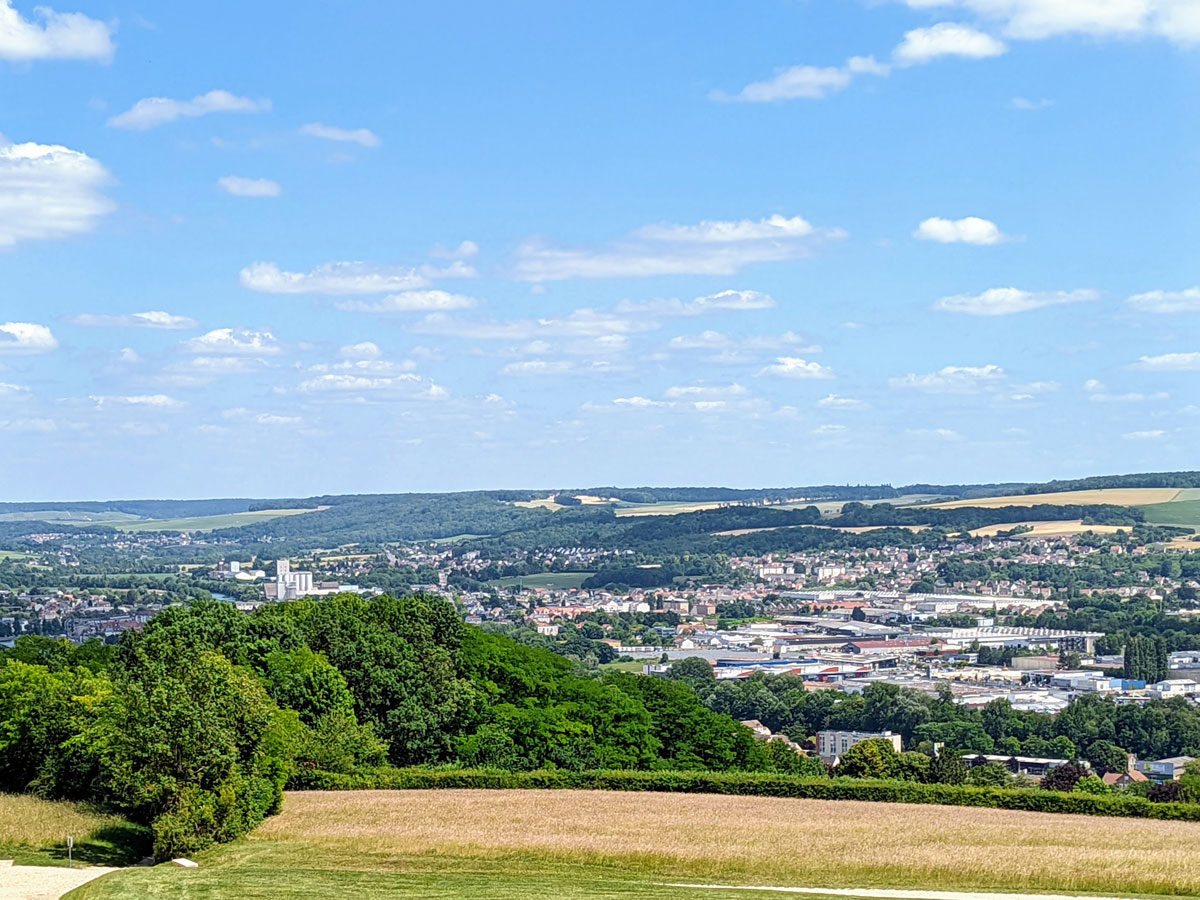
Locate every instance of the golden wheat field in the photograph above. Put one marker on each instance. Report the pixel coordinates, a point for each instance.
(1049, 529)
(30, 821)
(751, 840)
(1115, 496)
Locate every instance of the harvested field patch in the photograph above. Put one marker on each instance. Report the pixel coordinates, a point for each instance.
(1114, 496)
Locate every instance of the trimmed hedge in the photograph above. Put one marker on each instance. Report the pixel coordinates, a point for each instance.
(752, 784)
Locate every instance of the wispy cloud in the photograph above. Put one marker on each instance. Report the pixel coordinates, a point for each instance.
(152, 319)
(1170, 362)
(361, 136)
(411, 301)
(249, 187)
(152, 112)
(951, 379)
(1167, 301)
(804, 82)
(708, 248)
(1006, 301)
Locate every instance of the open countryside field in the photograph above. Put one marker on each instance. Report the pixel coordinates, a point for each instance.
(211, 523)
(564, 581)
(1185, 512)
(592, 844)
(1049, 529)
(1115, 496)
(69, 517)
(34, 832)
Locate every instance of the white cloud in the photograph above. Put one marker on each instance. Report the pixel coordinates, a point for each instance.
(795, 367)
(337, 278)
(580, 323)
(924, 45)
(951, 379)
(59, 36)
(1176, 20)
(48, 191)
(1170, 362)
(638, 402)
(722, 301)
(1026, 105)
(805, 82)
(706, 340)
(367, 367)
(538, 367)
(249, 187)
(465, 250)
(709, 248)
(1005, 301)
(10, 390)
(1152, 435)
(971, 230)
(706, 391)
(411, 301)
(944, 434)
(233, 342)
(154, 318)
(1167, 301)
(147, 401)
(26, 339)
(365, 350)
(241, 414)
(154, 111)
(834, 401)
(828, 430)
(361, 136)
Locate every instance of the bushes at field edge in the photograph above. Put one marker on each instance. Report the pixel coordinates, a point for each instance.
(748, 784)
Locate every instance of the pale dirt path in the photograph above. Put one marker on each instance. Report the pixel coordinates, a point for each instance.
(889, 894)
(44, 882)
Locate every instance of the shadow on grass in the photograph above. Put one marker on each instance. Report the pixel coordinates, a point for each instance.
(115, 845)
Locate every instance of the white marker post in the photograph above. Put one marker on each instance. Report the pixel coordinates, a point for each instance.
(70, 847)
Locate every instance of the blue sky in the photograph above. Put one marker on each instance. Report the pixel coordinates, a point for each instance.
(281, 250)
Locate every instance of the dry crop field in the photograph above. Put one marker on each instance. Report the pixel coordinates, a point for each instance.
(591, 844)
(1115, 496)
(34, 832)
(1049, 529)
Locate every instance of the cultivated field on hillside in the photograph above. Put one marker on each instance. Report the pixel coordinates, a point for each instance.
(34, 832)
(210, 523)
(1181, 511)
(591, 844)
(564, 581)
(1049, 529)
(1115, 496)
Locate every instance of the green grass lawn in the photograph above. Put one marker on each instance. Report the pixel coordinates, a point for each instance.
(634, 666)
(1177, 512)
(33, 832)
(14, 554)
(562, 580)
(209, 523)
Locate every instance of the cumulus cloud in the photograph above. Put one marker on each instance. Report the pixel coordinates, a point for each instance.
(1006, 301)
(1175, 20)
(1167, 301)
(26, 339)
(951, 379)
(924, 45)
(723, 301)
(709, 248)
(465, 250)
(146, 401)
(233, 342)
(364, 350)
(336, 278)
(638, 402)
(48, 191)
(151, 112)
(361, 136)
(411, 301)
(971, 230)
(249, 187)
(805, 82)
(155, 318)
(57, 36)
(538, 367)
(357, 385)
(581, 323)
(705, 391)
(1170, 362)
(835, 401)
(795, 367)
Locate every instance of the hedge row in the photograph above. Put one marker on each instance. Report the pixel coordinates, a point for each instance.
(752, 784)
